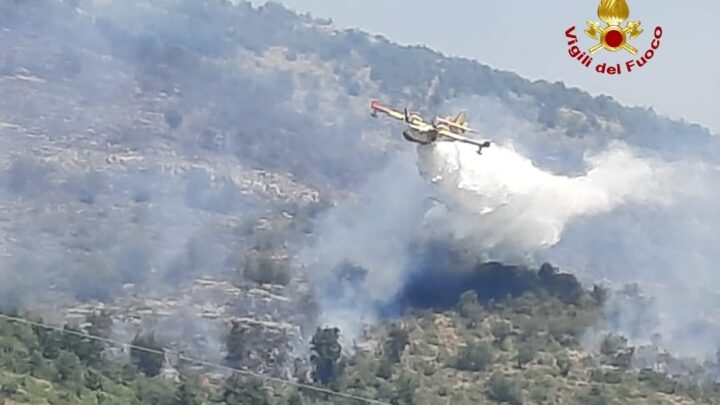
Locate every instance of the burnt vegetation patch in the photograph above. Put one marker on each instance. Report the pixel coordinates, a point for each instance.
(442, 276)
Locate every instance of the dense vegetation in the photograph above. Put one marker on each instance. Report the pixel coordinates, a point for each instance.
(524, 349)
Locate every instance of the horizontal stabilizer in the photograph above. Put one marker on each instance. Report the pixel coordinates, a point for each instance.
(463, 127)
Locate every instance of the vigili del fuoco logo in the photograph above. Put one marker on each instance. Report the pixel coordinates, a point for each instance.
(615, 35)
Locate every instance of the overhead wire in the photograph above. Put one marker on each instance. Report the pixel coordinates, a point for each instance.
(183, 357)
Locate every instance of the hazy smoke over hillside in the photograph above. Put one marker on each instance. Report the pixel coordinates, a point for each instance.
(658, 234)
(372, 234)
(636, 212)
(171, 83)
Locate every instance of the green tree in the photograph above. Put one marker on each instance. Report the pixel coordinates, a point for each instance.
(153, 391)
(147, 354)
(405, 392)
(468, 305)
(398, 339)
(88, 350)
(327, 356)
(100, 324)
(69, 368)
(612, 343)
(543, 392)
(657, 381)
(502, 389)
(295, 399)
(564, 364)
(474, 357)
(594, 396)
(385, 368)
(239, 390)
(9, 389)
(127, 373)
(93, 380)
(501, 330)
(42, 368)
(14, 355)
(186, 395)
(526, 354)
(623, 359)
(262, 268)
(51, 341)
(235, 343)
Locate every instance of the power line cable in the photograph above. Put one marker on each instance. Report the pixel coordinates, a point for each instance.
(181, 356)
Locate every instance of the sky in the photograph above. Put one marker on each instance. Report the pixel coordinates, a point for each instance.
(528, 37)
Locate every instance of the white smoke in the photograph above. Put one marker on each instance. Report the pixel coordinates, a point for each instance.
(373, 233)
(641, 211)
(609, 211)
(506, 206)
(498, 203)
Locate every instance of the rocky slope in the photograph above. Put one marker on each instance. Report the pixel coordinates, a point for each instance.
(148, 146)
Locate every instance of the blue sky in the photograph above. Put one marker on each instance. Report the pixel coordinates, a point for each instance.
(527, 37)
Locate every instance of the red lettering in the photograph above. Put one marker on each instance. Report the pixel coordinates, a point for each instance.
(629, 65)
(658, 32)
(575, 52)
(569, 34)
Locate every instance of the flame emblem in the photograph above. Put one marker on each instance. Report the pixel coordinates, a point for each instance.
(613, 37)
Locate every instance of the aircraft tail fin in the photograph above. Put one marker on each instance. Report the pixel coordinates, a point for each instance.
(460, 118)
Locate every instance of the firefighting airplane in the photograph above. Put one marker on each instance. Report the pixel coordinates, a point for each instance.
(424, 133)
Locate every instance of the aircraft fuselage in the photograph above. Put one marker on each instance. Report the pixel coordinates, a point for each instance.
(421, 137)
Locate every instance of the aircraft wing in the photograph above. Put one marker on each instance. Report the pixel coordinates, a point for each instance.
(377, 107)
(459, 138)
(420, 125)
(456, 125)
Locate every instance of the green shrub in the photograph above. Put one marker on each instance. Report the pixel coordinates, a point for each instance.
(474, 357)
(503, 389)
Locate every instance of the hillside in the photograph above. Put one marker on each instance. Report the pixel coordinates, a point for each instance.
(121, 110)
(525, 349)
(170, 163)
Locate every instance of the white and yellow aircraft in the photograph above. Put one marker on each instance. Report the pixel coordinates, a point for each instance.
(422, 132)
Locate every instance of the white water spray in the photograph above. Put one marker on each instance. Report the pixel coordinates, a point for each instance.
(500, 201)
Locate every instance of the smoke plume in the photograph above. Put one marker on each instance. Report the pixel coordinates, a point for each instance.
(502, 204)
(611, 208)
(360, 257)
(180, 83)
